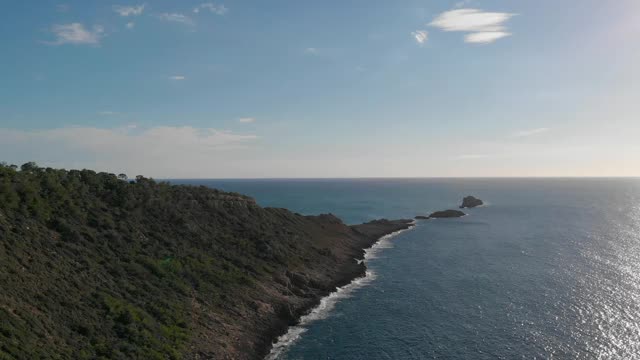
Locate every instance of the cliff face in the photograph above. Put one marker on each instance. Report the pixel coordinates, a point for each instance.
(96, 267)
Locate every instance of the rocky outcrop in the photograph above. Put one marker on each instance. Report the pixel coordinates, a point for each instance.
(447, 214)
(441, 214)
(378, 228)
(316, 278)
(470, 202)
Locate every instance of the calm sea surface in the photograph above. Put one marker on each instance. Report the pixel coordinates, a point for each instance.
(549, 269)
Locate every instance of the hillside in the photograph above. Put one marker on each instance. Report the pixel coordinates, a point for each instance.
(96, 266)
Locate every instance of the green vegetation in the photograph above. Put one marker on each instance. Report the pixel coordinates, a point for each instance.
(93, 265)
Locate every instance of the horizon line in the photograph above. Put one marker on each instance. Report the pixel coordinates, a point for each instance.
(406, 178)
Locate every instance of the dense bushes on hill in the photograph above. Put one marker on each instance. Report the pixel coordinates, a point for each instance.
(90, 252)
(95, 266)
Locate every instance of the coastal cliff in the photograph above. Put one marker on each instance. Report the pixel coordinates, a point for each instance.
(93, 266)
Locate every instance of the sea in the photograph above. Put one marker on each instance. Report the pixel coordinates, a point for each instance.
(547, 269)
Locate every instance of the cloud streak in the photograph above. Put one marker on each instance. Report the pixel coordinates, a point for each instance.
(157, 150)
(177, 18)
(247, 120)
(471, 156)
(107, 113)
(529, 132)
(212, 8)
(76, 34)
(177, 77)
(483, 27)
(129, 10)
(311, 51)
(485, 37)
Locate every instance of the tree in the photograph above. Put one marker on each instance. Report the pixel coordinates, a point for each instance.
(123, 177)
(28, 167)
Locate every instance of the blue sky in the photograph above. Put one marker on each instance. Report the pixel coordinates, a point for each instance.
(323, 89)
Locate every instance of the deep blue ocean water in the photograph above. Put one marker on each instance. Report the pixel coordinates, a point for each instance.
(549, 269)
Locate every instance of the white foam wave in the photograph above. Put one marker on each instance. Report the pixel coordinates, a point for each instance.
(329, 302)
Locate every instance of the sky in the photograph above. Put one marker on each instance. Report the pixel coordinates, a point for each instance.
(317, 89)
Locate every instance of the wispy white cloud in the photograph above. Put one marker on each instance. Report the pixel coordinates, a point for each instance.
(471, 156)
(129, 10)
(529, 132)
(247, 120)
(177, 77)
(311, 51)
(135, 150)
(484, 27)
(211, 7)
(485, 37)
(471, 20)
(420, 36)
(130, 25)
(107, 113)
(76, 34)
(177, 18)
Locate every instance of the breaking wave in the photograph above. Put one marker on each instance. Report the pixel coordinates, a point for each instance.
(328, 302)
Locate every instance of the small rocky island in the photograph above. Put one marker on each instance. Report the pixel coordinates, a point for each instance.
(467, 202)
(470, 202)
(446, 214)
(442, 214)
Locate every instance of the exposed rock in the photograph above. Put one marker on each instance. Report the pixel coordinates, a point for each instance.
(421, 217)
(299, 280)
(470, 202)
(377, 228)
(447, 214)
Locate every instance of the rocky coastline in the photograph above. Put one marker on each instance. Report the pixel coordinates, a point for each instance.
(105, 267)
(363, 236)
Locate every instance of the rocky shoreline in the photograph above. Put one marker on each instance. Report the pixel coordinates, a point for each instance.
(366, 235)
(361, 237)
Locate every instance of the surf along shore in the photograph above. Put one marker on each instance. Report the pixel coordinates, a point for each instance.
(350, 251)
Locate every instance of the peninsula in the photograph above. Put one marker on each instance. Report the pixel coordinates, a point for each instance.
(97, 266)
